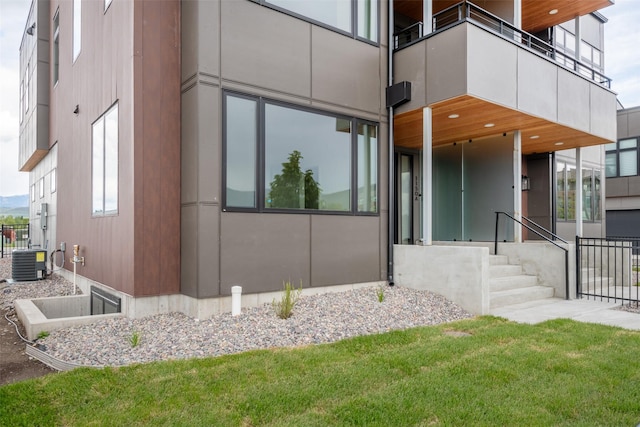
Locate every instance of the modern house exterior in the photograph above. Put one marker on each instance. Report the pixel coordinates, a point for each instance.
(191, 146)
(623, 180)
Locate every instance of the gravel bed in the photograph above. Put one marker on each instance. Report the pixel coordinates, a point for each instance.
(316, 319)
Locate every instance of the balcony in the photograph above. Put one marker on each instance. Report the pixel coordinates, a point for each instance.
(468, 12)
(481, 70)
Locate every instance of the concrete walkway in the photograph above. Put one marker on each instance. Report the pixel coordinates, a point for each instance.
(583, 310)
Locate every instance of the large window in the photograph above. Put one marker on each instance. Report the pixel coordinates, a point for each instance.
(591, 56)
(77, 28)
(56, 47)
(308, 160)
(27, 78)
(338, 14)
(566, 189)
(105, 163)
(565, 43)
(622, 158)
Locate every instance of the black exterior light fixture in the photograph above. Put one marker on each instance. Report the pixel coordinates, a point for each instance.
(76, 110)
(526, 184)
(31, 29)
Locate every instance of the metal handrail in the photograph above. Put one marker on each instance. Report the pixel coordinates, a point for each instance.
(566, 251)
(467, 11)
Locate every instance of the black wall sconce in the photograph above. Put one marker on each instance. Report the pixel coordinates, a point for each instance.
(77, 109)
(526, 184)
(31, 29)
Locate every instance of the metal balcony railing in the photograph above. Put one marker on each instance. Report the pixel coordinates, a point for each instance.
(468, 12)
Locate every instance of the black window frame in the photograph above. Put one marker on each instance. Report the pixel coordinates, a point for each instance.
(354, 20)
(260, 166)
(617, 152)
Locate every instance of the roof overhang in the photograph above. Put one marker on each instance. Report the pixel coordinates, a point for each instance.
(477, 118)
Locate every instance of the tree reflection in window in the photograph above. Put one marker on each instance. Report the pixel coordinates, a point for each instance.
(294, 188)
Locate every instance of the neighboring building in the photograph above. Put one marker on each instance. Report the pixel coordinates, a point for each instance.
(191, 146)
(623, 177)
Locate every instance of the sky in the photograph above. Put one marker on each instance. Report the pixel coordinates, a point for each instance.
(622, 65)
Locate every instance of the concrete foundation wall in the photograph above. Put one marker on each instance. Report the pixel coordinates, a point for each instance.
(198, 308)
(458, 273)
(68, 306)
(35, 321)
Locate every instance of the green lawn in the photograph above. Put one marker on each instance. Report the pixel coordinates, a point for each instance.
(500, 374)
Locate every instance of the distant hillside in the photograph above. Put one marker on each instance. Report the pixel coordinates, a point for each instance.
(14, 205)
(21, 201)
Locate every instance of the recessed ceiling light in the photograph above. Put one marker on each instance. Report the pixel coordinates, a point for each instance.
(553, 11)
(534, 136)
(559, 143)
(489, 125)
(454, 116)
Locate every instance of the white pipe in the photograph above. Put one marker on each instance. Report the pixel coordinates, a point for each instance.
(517, 185)
(427, 177)
(236, 300)
(74, 275)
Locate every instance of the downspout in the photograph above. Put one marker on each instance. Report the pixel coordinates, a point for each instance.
(391, 166)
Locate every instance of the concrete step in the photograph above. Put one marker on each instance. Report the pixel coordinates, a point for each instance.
(504, 270)
(497, 284)
(498, 260)
(590, 271)
(519, 296)
(598, 281)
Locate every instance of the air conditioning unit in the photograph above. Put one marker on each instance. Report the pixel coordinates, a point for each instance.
(28, 265)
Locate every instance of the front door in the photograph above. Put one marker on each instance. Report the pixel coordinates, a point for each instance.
(408, 197)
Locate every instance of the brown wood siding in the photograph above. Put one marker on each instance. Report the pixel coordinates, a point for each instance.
(136, 251)
(157, 147)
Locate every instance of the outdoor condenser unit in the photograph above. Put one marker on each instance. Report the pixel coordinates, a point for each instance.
(28, 265)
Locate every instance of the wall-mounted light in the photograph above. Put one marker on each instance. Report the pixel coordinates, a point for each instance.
(77, 109)
(526, 184)
(31, 29)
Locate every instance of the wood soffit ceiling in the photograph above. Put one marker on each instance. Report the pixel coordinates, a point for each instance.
(536, 17)
(535, 13)
(538, 135)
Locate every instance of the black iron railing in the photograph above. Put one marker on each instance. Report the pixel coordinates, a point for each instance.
(13, 237)
(539, 232)
(608, 269)
(468, 12)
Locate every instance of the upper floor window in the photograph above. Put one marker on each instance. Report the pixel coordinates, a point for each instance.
(622, 158)
(77, 28)
(56, 47)
(279, 157)
(565, 43)
(25, 95)
(21, 112)
(53, 180)
(337, 14)
(104, 163)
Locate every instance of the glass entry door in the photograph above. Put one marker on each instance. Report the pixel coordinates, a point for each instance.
(408, 197)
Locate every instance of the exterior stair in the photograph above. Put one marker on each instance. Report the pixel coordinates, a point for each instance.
(509, 285)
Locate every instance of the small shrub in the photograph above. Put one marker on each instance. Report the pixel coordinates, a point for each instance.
(43, 334)
(134, 339)
(380, 293)
(289, 298)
